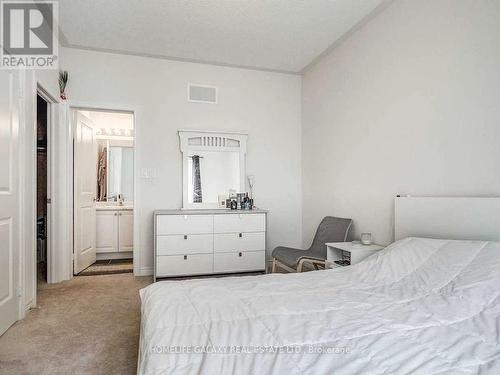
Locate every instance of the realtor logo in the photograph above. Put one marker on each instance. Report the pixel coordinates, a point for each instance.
(29, 34)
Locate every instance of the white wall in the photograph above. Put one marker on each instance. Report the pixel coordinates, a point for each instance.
(408, 104)
(266, 105)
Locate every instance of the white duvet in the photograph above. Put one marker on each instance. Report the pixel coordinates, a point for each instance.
(420, 306)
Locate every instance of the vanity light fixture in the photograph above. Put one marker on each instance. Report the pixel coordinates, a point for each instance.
(108, 133)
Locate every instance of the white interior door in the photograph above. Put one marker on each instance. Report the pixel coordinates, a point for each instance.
(9, 200)
(85, 182)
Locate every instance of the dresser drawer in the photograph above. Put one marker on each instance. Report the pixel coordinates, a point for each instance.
(179, 244)
(230, 242)
(237, 223)
(180, 265)
(240, 261)
(184, 224)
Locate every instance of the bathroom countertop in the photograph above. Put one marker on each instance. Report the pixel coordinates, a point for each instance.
(113, 207)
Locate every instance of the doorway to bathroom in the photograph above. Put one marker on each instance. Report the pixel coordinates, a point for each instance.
(103, 212)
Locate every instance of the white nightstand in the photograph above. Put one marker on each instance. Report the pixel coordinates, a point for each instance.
(355, 253)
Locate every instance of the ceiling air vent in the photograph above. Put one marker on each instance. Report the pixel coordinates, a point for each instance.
(202, 93)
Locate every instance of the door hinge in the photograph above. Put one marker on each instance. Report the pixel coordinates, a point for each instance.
(49, 200)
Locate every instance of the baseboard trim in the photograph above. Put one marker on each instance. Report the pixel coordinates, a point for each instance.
(123, 255)
(27, 306)
(145, 271)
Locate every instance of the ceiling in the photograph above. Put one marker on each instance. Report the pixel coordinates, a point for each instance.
(278, 35)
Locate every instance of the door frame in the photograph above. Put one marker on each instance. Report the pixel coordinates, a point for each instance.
(28, 190)
(51, 183)
(86, 106)
(30, 220)
(31, 85)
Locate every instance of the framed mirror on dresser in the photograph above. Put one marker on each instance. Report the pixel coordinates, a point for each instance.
(213, 164)
(205, 237)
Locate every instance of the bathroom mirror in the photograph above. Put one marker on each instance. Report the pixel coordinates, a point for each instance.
(213, 165)
(121, 173)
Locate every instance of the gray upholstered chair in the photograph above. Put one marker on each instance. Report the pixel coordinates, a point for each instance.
(331, 229)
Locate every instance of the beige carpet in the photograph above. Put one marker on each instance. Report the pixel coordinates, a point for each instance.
(88, 325)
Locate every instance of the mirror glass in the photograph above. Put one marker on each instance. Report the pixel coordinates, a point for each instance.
(212, 173)
(121, 173)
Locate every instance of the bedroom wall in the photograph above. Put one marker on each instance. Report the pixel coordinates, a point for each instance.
(266, 105)
(408, 104)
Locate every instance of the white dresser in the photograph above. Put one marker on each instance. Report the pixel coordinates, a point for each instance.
(200, 242)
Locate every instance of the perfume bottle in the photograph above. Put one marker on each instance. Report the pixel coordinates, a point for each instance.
(240, 200)
(234, 204)
(246, 202)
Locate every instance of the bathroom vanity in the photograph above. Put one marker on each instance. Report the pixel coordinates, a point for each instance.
(114, 231)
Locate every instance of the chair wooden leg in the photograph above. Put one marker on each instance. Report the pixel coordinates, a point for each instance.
(314, 263)
(277, 263)
(300, 265)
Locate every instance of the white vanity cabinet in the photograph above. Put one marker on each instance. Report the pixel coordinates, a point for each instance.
(106, 231)
(114, 233)
(125, 230)
(209, 241)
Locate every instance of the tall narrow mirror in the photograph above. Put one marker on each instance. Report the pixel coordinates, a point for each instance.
(212, 173)
(121, 172)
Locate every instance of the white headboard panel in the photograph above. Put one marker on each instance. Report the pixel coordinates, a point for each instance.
(447, 218)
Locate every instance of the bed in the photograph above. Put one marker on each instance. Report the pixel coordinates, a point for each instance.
(420, 306)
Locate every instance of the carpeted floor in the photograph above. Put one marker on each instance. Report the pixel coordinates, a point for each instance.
(88, 325)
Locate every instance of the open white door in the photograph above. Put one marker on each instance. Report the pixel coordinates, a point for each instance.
(9, 200)
(85, 175)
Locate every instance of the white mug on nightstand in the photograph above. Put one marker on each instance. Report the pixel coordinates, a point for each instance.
(366, 238)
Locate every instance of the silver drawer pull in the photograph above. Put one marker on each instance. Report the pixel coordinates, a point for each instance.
(185, 237)
(241, 235)
(240, 254)
(185, 257)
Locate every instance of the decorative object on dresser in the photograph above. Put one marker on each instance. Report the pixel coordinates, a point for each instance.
(340, 254)
(292, 260)
(203, 242)
(114, 231)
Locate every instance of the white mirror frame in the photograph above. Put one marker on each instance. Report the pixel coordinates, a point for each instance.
(198, 140)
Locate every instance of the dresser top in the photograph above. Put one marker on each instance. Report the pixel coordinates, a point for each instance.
(209, 212)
